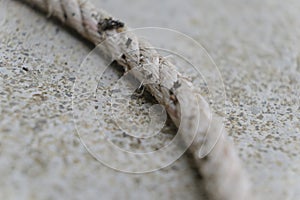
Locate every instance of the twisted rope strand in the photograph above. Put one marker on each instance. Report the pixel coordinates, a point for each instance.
(221, 168)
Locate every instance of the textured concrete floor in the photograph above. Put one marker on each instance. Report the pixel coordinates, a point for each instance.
(256, 46)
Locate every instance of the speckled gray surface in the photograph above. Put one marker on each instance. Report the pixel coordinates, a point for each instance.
(256, 47)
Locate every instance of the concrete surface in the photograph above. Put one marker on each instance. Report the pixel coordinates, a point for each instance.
(255, 45)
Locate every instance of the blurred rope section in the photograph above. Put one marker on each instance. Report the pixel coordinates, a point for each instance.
(221, 168)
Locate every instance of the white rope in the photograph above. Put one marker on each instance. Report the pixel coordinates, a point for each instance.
(221, 168)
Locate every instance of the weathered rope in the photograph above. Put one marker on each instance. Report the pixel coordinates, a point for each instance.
(221, 168)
